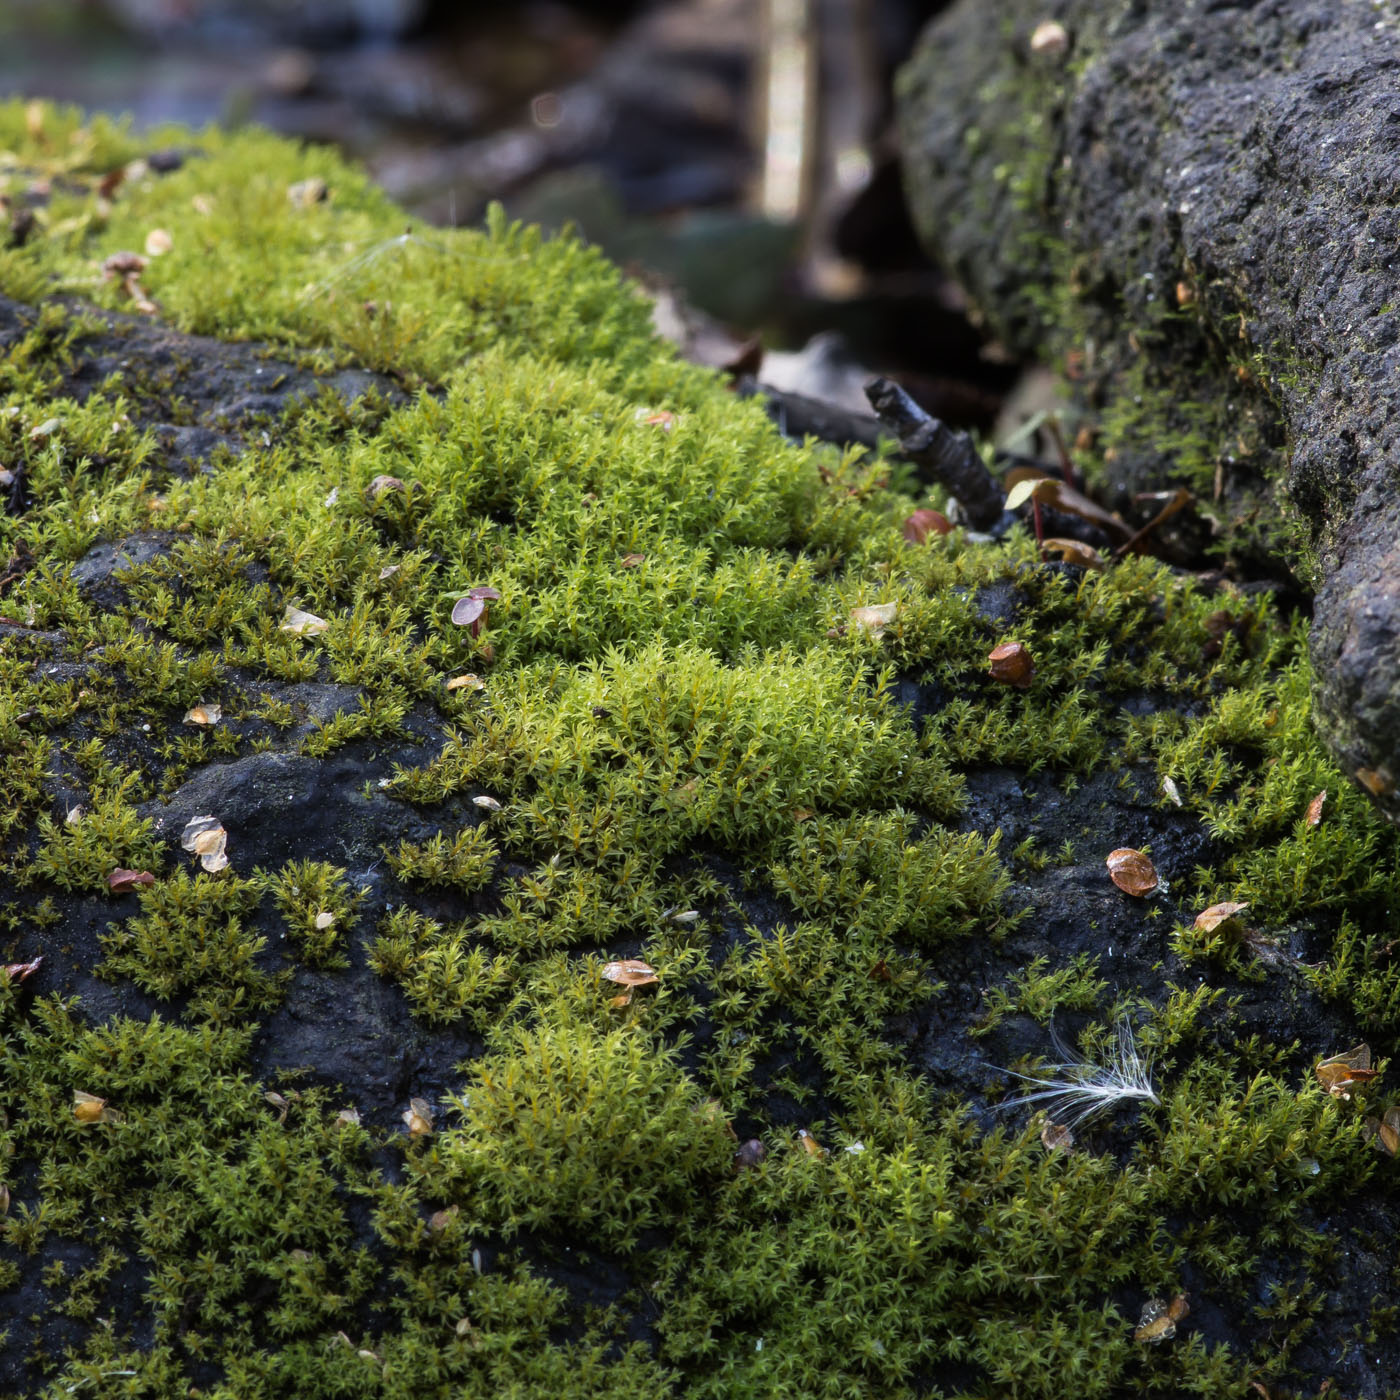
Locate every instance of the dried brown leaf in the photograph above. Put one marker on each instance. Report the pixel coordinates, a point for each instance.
(1012, 664)
(749, 1155)
(1074, 552)
(1132, 872)
(924, 523)
(18, 971)
(121, 880)
(1314, 812)
(1056, 1137)
(1208, 920)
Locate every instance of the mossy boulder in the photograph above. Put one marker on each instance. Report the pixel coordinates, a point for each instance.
(1195, 208)
(608, 994)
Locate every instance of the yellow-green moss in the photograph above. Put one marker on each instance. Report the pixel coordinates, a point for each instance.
(696, 757)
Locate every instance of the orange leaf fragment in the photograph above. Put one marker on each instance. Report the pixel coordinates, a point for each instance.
(1011, 664)
(1314, 813)
(924, 523)
(1132, 872)
(1208, 920)
(810, 1145)
(622, 999)
(121, 880)
(665, 420)
(1338, 1074)
(203, 714)
(631, 972)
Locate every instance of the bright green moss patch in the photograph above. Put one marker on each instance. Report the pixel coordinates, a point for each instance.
(864, 875)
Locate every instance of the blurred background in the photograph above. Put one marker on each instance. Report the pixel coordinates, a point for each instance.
(736, 155)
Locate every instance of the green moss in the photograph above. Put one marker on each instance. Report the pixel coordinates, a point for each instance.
(697, 757)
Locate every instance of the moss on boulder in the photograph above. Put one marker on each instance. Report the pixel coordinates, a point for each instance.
(367, 1111)
(1194, 209)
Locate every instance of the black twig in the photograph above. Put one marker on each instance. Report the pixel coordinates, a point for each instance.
(947, 456)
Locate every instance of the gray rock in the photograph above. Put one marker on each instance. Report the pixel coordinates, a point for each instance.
(1202, 202)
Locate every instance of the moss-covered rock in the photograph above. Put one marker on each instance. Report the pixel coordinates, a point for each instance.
(408, 987)
(1195, 207)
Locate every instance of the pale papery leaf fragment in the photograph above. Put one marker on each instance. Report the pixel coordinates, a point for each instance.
(875, 618)
(302, 623)
(631, 972)
(203, 714)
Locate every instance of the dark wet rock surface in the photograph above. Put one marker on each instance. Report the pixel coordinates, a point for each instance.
(1213, 188)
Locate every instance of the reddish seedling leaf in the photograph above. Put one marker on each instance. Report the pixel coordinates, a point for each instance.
(631, 972)
(1208, 920)
(121, 880)
(924, 523)
(1314, 813)
(1011, 664)
(1132, 872)
(17, 972)
(470, 610)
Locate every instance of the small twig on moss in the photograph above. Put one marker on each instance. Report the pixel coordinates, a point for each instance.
(948, 456)
(1080, 1089)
